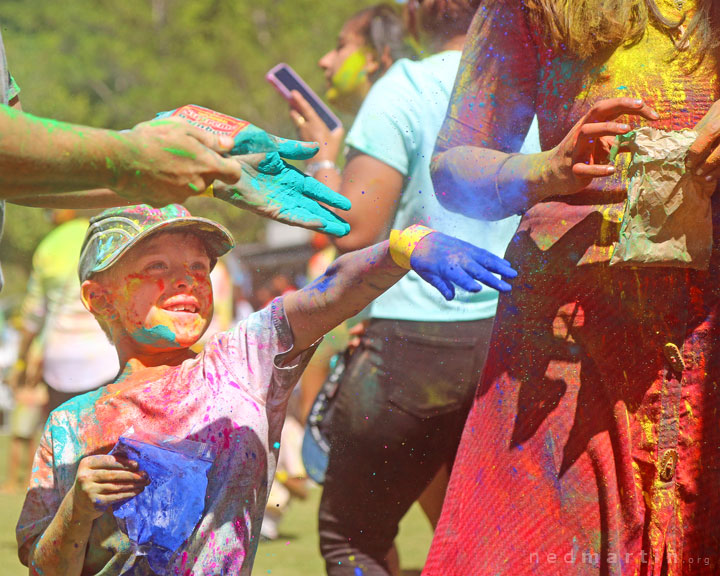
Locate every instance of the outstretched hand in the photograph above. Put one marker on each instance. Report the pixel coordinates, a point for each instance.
(445, 261)
(250, 139)
(273, 188)
(583, 154)
(167, 160)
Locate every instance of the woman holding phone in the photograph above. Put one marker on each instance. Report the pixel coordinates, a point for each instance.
(403, 400)
(368, 44)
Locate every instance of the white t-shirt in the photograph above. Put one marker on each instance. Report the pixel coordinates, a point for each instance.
(398, 124)
(233, 395)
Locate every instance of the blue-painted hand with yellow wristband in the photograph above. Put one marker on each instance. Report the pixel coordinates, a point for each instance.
(445, 261)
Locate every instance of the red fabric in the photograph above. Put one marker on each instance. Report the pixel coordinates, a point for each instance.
(565, 465)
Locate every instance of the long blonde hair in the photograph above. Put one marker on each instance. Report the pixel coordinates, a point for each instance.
(589, 27)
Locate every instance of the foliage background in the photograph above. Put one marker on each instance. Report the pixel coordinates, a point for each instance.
(113, 64)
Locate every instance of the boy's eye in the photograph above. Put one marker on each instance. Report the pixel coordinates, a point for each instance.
(155, 266)
(200, 267)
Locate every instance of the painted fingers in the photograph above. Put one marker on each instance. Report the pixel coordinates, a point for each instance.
(704, 155)
(446, 262)
(104, 480)
(584, 154)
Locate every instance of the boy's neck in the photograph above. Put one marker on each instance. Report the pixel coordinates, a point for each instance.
(132, 361)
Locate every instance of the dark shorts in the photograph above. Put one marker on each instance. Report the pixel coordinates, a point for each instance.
(400, 410)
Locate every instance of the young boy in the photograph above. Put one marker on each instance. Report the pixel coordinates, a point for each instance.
(145, 277)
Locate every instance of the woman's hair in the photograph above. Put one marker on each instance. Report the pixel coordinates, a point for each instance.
(587, 27)
(448, 18)
(382, 28)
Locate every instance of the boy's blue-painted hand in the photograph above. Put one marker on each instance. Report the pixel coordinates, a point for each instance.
(272, 188)
(444, 261)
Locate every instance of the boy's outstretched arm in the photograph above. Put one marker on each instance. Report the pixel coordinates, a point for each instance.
(357, 278)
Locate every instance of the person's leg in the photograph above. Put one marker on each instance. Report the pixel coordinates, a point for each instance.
(399, 415)
(431, 500)
(379, 464)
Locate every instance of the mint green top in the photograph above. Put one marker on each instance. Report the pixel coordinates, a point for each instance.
(398, 124)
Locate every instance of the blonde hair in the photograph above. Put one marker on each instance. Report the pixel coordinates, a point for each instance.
(589, 27)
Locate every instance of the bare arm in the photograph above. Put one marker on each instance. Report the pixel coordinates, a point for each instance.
(349, 284)
(61, 548)
(100, 481)
(100, 198)
(475, 171)
(159, 162)
(374, 188)
(357, 278)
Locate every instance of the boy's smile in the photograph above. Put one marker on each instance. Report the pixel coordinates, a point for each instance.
(160, 293)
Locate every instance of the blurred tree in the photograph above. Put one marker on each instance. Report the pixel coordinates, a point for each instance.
(114, 64)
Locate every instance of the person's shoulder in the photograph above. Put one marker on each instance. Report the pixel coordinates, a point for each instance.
(77, 408)
(414, 79)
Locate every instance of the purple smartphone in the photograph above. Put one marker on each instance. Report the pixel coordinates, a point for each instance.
(285, 79)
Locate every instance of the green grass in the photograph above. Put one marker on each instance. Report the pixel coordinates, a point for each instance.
(295, 553)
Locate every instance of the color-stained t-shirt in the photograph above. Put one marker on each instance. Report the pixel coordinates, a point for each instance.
(233, 395)
(398, 125)
(77, 355)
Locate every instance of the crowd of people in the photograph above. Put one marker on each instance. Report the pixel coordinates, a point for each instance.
(548, 399)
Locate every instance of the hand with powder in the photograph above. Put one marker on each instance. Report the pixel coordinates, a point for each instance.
(273, 188)
(704, 155)
(104, 480)
(165, 161)
(247, 138)
(444, 262)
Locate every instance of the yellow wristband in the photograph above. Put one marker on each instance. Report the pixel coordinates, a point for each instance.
(208, 192)
(403, 242)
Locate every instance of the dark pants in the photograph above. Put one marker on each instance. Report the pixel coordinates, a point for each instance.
(400, 411)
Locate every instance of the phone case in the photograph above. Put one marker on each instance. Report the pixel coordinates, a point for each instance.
(315, 101)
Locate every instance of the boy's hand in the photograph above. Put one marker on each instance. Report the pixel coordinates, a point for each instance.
(443, 261)
(272, 188)
(104, 480)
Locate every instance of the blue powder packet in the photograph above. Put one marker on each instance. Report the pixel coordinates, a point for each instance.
(162, 517)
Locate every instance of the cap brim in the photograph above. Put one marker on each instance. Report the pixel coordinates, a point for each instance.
(216, 237)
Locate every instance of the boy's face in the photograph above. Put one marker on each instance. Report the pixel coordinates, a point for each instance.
(160, 292)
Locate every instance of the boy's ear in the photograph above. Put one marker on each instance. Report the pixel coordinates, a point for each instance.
(96, 299)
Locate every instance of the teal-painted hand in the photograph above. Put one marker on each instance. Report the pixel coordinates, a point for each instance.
(269, 186)
(253, 140)
(272, 188)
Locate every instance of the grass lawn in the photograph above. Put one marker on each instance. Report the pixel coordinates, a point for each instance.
(295, 553)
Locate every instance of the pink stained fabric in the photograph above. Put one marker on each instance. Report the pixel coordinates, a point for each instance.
(592, 447)
(233, 395)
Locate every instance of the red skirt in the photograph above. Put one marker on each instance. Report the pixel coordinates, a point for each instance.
(593, 446)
